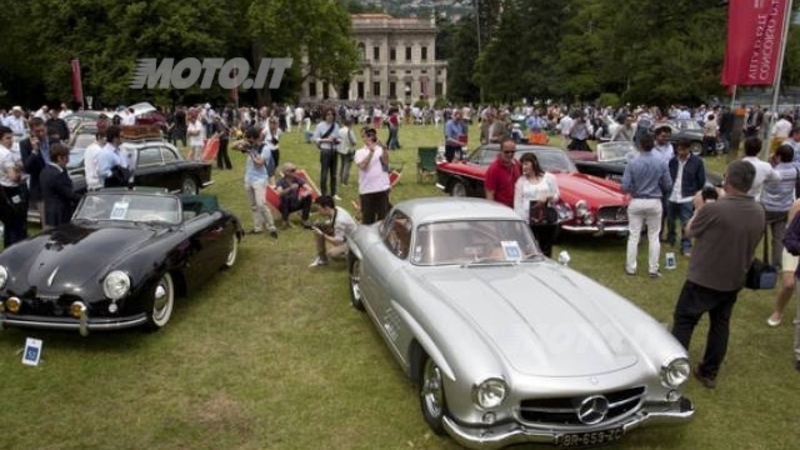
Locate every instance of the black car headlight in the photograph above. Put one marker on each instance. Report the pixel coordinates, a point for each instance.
(3, 276)
(675, 373)
(490, 394)
(116, 285)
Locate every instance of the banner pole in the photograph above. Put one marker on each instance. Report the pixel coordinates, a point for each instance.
(773, 117)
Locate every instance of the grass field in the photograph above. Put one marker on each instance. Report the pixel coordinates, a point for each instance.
(270, 355)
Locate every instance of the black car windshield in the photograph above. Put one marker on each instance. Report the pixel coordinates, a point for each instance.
(469, 241)
(129, 207)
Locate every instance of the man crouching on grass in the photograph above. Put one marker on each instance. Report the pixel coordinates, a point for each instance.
(332, 242)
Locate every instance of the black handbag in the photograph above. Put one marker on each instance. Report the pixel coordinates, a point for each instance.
(762, 275)
(542, 214)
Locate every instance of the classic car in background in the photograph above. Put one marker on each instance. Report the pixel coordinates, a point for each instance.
(606, 161)
(505, 345)
(588, 204)
(155, 162)
(610, 158)
(120, 263)
(690, 130)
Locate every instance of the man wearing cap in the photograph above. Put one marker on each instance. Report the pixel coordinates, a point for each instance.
(16, 122)
(294, 196)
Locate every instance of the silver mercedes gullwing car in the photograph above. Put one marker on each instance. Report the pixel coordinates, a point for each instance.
(508, 346)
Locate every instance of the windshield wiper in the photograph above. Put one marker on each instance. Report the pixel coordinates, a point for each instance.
(486, 262)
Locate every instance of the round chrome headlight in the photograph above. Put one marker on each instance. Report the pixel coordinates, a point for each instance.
(116, 285)
(675, 373)
(581, 208)
(490, 394)
(3, 276)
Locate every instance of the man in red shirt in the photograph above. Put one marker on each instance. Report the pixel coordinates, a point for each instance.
(502, 174)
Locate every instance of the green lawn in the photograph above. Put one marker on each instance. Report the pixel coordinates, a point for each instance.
(270, 355)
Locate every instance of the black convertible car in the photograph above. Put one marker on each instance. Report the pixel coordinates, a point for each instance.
(120, 263)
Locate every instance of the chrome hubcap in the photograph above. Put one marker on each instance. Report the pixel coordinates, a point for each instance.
(432, 389)
(355, 281)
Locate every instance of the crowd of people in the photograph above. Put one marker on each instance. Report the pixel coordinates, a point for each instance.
(666, 182)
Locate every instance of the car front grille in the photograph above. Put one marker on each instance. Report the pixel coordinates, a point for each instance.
(566, 410)
(45, 305)
(613, 214)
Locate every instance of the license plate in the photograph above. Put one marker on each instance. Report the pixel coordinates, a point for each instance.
(593, 438)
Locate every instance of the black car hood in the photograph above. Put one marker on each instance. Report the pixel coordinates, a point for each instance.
(66, 259)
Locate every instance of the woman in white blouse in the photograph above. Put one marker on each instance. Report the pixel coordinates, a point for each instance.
(536, 187)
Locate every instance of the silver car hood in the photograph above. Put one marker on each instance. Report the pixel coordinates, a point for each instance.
(541, 319)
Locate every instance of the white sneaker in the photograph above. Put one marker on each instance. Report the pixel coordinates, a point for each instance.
(318, 262)
(337, 198)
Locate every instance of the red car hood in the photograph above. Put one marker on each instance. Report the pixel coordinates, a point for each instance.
(596, 191)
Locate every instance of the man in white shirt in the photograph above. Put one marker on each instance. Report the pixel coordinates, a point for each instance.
(794, 142)
(764, 171)
(16, 122)
(780, 132)
(90, 161)
(663, 147)
(332, 245)
(197, 135)
(565, 126)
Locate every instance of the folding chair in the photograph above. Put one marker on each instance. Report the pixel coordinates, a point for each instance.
(426, 162)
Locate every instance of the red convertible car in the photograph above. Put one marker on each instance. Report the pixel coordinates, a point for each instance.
(588, 204)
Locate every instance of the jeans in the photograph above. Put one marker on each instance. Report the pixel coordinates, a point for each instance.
(694, 301)
(223, 160)
(374, 207)
(682, 211)
(327, 162)
(451, 151)
(644, 211)
(344, 170)
(394, 142)
(291, 203)
(257, 196)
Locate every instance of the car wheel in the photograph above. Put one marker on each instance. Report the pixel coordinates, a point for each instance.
(458, 190)
(354, 270)
(696, 148)
(231, 260)
(189, 186)
(431, 395)
(162, 300)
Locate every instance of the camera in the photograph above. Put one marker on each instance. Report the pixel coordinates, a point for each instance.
(710, 194)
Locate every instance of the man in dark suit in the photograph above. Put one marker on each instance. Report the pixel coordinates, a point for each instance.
(35, 153)
(57, 193)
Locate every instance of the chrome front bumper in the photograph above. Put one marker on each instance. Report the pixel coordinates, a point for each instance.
(83, 325)
(597, 230)
(499, 436)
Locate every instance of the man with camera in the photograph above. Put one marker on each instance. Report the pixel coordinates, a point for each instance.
(726, 233)
(332, 240)
(259, 159)
(326, 136)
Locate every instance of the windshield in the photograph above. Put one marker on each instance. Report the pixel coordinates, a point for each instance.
(615, 151)
(129, 207)
(552, 160)
(469, 241)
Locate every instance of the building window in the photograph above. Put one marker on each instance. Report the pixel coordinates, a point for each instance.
(392, 54)
(392, 89)
(312, 89)
(360, 90)
(392, 72)
(325, 90)
(376, 73)
(439, 89)
(424, 55)
(408, 72)
(376, 53)
(362, 51)
(376, 89)
(424, 71)
(408, 53)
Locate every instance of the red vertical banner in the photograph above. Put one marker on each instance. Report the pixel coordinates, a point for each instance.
(77, 83)
(753, 49)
